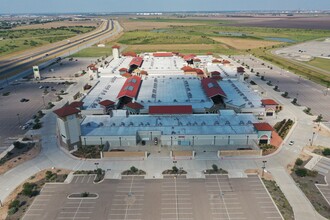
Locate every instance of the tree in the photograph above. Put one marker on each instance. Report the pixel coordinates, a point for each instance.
(84, 194)
(276, 88)
(299, 162)
(326, 152)
(294, 101)
(29, 189)
(175, 169)
(285, 94)
(15, 203)
(262, 77)
(215, 168)
(319, 118)
(133, 169)
(308, 110)
(301, 172)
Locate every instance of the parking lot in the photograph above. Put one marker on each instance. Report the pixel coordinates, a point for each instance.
(305, 91)
(323, 167)
(173, 197)
(14, 113)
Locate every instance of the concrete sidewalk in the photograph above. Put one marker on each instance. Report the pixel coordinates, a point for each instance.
(302, 208)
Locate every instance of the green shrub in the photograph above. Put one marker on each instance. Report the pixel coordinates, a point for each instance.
(326, 152)
(301, 172)
(299, 162)
(12, 210)
(85, 194)
(215, 168)
(14, 203)
(133, 169)
(175, 169)
(29, 189)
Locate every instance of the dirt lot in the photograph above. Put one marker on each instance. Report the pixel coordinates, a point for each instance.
(22, 156)
(145, 25)
(243, 44)
(57, 24)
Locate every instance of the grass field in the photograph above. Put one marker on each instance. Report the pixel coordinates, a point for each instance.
(18, 40)
(58, 24)
(94, 51)
(321, 63)
(243, 44)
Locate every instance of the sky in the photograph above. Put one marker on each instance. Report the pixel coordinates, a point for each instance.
(67, 6)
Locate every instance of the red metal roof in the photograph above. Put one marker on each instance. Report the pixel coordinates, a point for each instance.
(189, 57)
(171, 109)
(134, 105)
(122, 69)
(212, 88)
(225, 62)
(127, 75)
(197, 60)
(163, 54)
(215, 73)
(217, 77)
(240, 69)
(136, 61)
(106, 103)
(187, 68)
(76, 104)
(199, 71)
(263, 126)
(66, 111)
(116, 46)
(143, 72)
(216, 61)
(268, 102)
(130, 87)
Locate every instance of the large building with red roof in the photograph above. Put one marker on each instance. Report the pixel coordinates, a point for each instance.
(184, 100)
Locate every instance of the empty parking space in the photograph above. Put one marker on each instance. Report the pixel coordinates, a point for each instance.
(128, 200)
(171, 198)
(176, 198)
(83, 179)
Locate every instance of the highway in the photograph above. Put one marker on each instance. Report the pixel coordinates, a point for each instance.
(20, 63)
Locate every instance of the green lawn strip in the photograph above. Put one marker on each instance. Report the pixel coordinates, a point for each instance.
(279, 198)
(321, 63)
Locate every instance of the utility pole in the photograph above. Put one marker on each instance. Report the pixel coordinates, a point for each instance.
(263, 167)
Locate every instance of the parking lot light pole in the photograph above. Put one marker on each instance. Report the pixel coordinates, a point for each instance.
(43, 99)
(19, 119)
(85, 141)
(263, 167)
(101, 141)
(312, 139)
(97, 165)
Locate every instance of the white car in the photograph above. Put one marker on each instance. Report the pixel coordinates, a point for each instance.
(291, 143)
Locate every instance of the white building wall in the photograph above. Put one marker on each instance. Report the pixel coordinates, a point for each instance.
(73, 126)
(62, 130)
(115, 53)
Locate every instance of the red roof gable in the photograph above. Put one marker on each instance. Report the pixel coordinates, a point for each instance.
(76, 104)
(240, 69)
(216, 61)
(268, 102)
(197, 60)
(130, 87)
(164, 54)
(136, 61)
(171, 109)
(187, 68)
(116, 46)
(66, 111)
(212, 88)
(123, 69)
(106, 103)
(225, 62)
(217, 77)
(134, 105)
(263, 126)
(215, 73)
(199, 71)
(127, 75)
(91, 65)
(143, 72)
(189, 57)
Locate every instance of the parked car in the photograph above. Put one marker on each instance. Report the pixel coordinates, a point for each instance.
(291, 143)
(41, 87)
(24, 100)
